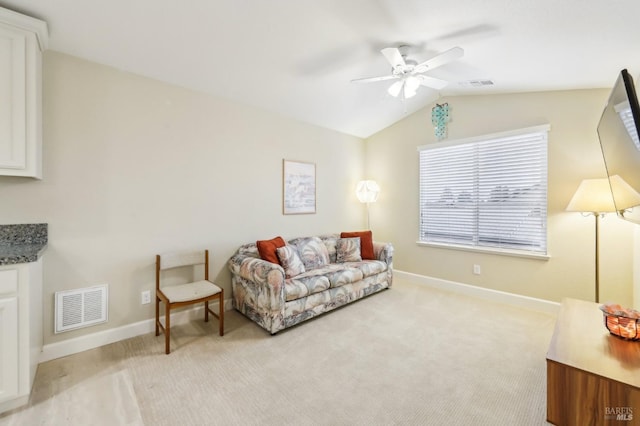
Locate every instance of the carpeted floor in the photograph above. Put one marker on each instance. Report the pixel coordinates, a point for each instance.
(411, 355)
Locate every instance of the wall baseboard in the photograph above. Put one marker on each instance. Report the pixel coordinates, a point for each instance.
(483, 293)
(101, 338)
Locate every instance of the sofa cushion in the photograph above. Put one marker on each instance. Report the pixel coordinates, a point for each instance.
(330, 243)
(338, 274)
(368, 267)
(348, 250)
(267, 249)
(366, 243)
(290, 261)
(344, 276)
(305, 284)
(313, 252)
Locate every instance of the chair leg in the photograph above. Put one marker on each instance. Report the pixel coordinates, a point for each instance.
(167, 328)
(206, 311)
(221, 314)
(157, 315)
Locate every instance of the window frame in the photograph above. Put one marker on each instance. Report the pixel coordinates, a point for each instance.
(474, 246)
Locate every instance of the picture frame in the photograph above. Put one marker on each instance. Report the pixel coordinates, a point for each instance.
(298, 187)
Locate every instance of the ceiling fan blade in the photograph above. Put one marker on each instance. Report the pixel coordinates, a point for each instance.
(474, 32)
(373, 79)
(394, 57)
(439, 60)
(432, 82)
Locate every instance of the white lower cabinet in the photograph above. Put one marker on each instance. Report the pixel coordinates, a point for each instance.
(20, 331)
(9, 345)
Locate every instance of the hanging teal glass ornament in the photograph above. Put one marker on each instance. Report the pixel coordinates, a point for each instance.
(439, 119)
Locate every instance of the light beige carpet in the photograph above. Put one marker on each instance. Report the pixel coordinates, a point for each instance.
(411, 355)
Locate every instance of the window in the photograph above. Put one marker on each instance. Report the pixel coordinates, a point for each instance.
(486, 192)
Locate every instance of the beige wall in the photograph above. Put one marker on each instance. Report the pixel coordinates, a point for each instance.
(133, 166)
(574, 154)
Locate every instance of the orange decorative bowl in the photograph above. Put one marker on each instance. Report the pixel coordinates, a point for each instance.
(621, 322)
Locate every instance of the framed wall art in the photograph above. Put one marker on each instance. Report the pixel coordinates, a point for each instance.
(298, 187)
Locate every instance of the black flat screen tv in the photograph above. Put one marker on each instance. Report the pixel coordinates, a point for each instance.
(618, 132)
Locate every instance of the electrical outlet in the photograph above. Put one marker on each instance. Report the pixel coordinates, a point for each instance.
(477, 270)
(146, 297)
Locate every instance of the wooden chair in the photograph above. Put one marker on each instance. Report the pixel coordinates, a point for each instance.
(175, 296)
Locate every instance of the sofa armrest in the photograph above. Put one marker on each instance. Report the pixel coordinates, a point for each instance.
(266, 280)
(383, 252)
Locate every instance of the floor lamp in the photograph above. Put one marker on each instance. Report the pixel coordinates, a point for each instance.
(593, 197)
(367, 192)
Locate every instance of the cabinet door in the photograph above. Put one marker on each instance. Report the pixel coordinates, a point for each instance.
(8, 348)
(13, 136)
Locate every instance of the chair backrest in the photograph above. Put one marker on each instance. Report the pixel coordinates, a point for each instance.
(183, 258)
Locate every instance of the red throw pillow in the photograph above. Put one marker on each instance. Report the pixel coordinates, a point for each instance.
(267, 249)
(366, 243)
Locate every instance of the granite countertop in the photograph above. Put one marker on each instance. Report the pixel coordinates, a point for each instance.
(22, 243)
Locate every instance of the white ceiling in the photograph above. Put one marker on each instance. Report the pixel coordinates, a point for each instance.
(297, 57)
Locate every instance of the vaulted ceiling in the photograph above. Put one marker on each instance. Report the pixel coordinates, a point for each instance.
(297, 57)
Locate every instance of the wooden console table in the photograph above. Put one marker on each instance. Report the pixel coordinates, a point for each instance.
(593, 378)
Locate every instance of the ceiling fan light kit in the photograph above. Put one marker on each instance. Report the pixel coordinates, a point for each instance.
(394, 89)
(411, 85)
(411, 74)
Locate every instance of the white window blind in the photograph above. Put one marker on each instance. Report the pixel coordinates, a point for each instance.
(488, 191)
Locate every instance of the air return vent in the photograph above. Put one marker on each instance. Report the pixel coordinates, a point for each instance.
(81, 308)
(476, 83)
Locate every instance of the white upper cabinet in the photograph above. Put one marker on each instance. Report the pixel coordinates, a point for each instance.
(22, 41)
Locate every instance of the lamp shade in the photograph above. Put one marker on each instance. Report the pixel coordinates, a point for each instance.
(624, 195)
(367, 191)
(593, 196)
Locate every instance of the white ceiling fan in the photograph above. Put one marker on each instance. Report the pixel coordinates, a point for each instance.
(411, 74)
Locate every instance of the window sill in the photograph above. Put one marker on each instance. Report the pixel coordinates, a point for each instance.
(489, 250)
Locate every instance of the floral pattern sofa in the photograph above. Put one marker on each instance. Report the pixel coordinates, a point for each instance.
(332, 275)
